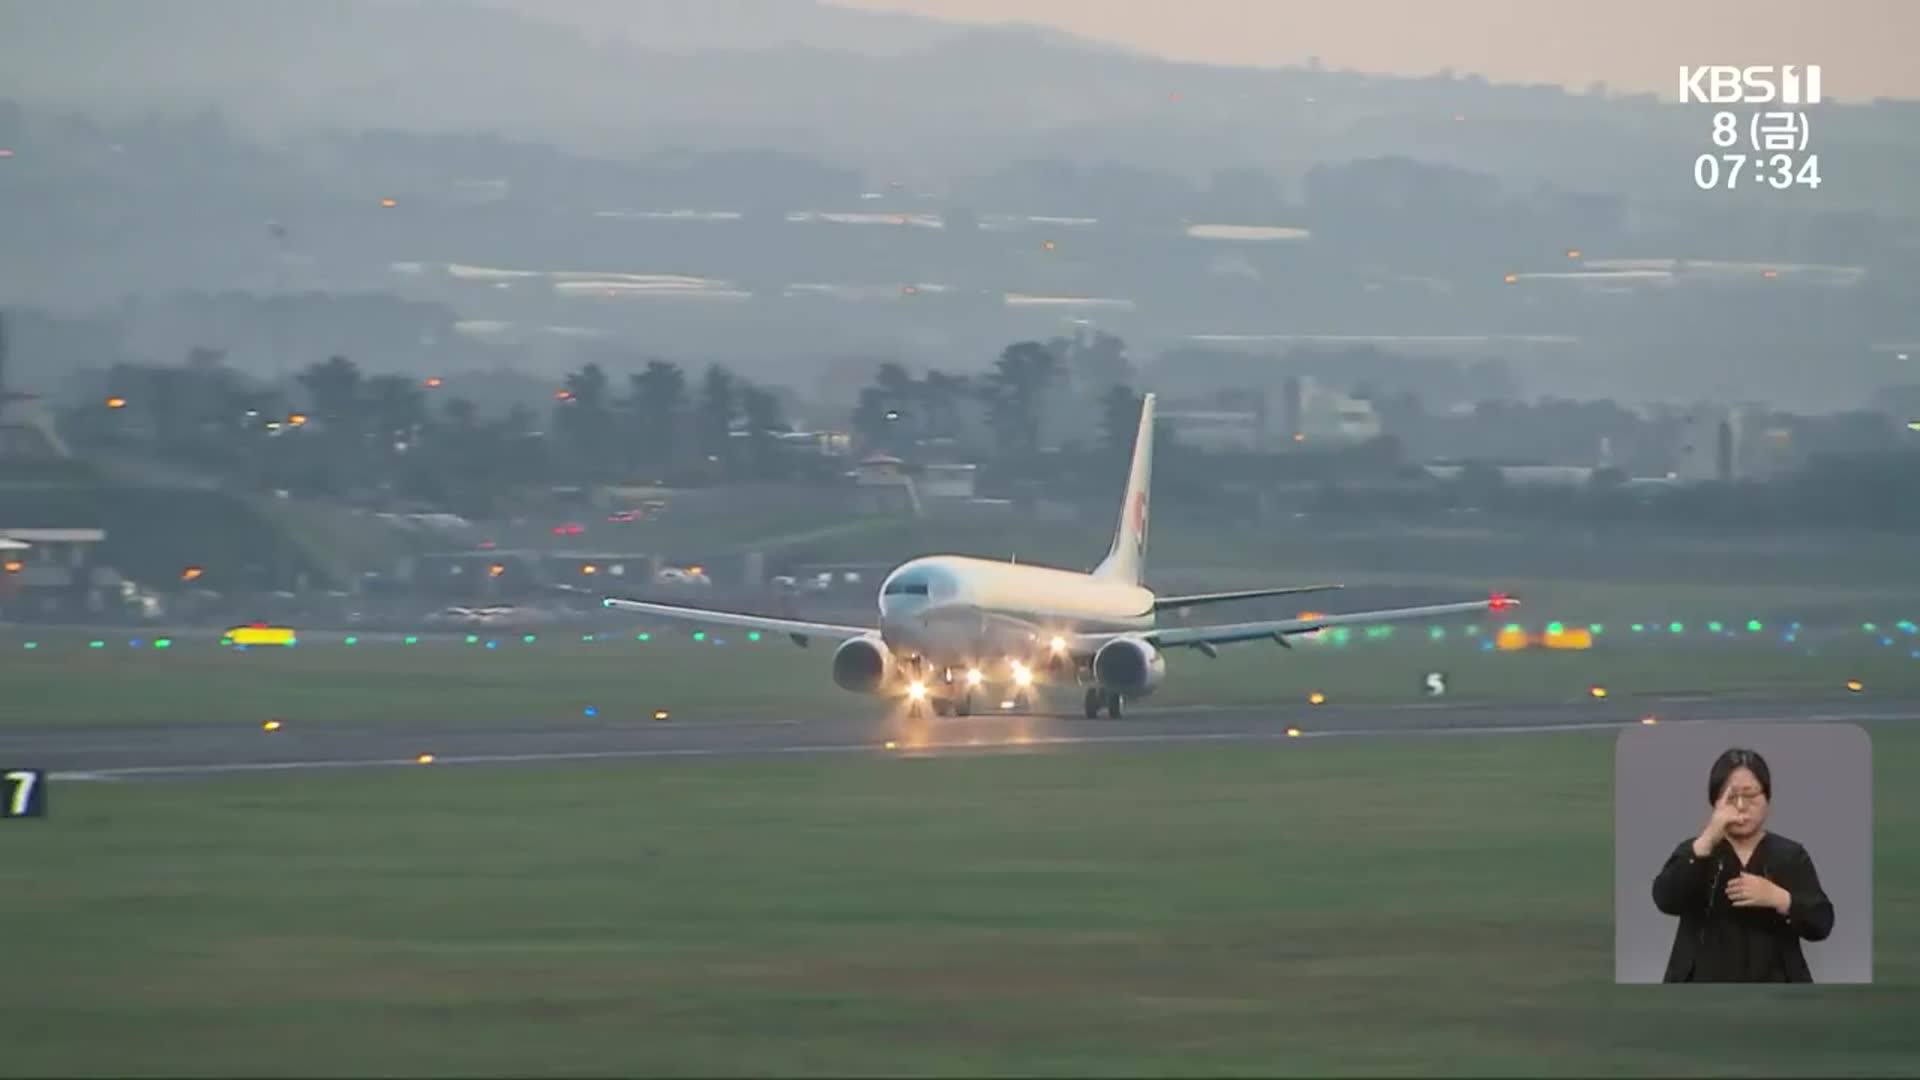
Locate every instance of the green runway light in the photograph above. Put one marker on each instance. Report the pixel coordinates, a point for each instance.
(1677, 627)
(1555, 628)
(586, 637)
(163, 643)
(528, 638)
(1869, 627)
(1713, 627)
(1596, 628)
(643, 637)
(699, 635)
(411, 640)
(33, 645)
(1638, 627)
(1436, 632)
(1511, 628)
(473, 639)
(1753, 626)
(96, 644)
(353, 641)
(753, 635)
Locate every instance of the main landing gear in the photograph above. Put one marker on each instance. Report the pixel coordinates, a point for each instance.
(1096, 698)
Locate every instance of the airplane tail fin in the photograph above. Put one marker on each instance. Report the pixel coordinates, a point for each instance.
(1127, 559)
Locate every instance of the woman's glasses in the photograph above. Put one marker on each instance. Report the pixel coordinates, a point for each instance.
(1742, 799)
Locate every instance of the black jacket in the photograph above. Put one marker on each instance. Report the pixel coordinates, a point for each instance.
(1717, 942)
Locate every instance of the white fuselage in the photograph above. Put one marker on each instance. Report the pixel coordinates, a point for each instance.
(953, 610)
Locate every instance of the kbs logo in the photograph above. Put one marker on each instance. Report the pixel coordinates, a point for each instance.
(1787, 84)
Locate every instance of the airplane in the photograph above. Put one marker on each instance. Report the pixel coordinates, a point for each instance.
(953, 627)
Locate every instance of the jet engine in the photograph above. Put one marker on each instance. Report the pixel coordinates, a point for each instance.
(863, 665)
(1132, 666)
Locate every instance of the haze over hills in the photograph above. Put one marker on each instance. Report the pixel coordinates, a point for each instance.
(899, 97)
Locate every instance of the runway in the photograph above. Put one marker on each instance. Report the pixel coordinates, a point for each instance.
(163, 752)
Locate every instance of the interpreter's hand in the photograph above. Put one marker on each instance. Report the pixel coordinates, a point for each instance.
(1754, 891)
(1716, 826)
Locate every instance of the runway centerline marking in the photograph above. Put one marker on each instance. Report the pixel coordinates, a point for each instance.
(1033, 743)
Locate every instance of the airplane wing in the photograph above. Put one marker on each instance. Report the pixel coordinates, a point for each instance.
(1204, 638)
(1170, 603)
(797, 629)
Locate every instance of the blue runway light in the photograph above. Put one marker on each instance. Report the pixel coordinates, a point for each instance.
(135, 643)
(591, 711)
(1486, 646)
(493, 644)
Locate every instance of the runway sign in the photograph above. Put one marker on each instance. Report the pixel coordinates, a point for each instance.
(24, 793)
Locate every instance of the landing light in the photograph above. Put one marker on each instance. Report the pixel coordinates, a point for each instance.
(1021, 676)
(1058, 644)
(973, 676)
(917, 691)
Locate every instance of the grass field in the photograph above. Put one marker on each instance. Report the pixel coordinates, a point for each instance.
(1359, 907)
(63, 680)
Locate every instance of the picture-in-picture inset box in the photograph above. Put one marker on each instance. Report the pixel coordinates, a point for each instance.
(1743, 852)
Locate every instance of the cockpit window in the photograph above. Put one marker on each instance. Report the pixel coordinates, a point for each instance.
(904, 586)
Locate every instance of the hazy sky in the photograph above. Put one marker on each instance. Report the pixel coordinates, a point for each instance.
(1865, 47)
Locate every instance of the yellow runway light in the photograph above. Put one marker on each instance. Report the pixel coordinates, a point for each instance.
(1293, 733)
(1649, 720)
(891, 745)
(659, 714)
(1576, 638)
(261, 634)
(1511, 639)
(1855, 685)
(1316, 698)
(271, 725)
(1597, 691)
(425, 759)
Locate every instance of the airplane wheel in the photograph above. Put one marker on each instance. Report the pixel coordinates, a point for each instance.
(964, 707)
(1093, 702)
(1113, 704)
